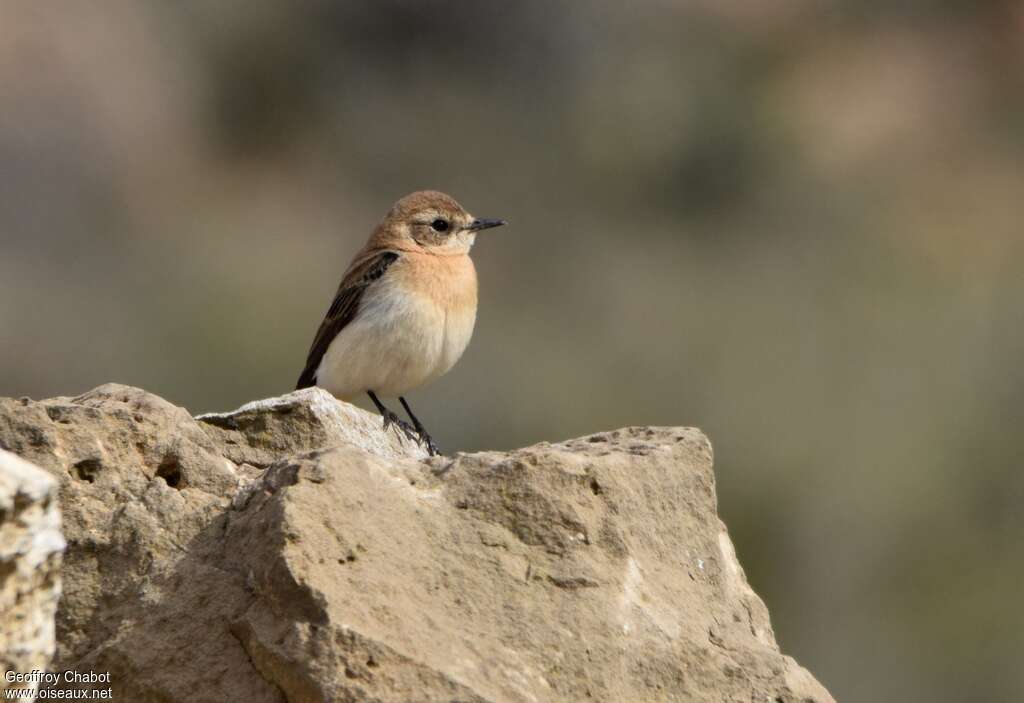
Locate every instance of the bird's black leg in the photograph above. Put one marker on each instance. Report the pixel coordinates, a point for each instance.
(421, 430)
(391, 419)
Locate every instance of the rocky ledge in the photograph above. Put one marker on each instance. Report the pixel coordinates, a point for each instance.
(293, 551)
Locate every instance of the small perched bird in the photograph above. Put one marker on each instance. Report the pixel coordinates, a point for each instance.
(405, 309)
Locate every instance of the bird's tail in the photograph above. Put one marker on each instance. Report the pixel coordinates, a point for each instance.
(307, 379)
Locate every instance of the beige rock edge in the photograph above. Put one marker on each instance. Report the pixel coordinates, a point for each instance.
(291, 550)
(30, 552)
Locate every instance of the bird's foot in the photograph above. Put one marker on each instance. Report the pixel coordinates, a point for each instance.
(391, 419)
(422, 438)
(426, 440)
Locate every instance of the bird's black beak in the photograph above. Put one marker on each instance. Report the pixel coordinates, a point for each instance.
(477, 225)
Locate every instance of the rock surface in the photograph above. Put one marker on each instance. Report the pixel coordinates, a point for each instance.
(293, 551)
(30, 550)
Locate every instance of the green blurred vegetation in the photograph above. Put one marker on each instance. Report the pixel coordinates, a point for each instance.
(793, 224)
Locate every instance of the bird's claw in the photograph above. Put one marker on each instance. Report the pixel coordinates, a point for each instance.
(426, 440)
(417, 434)
(391, 419)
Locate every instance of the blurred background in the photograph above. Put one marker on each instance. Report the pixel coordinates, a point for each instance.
(795, 224)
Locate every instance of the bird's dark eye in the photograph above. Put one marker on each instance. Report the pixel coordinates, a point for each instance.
(439, 225)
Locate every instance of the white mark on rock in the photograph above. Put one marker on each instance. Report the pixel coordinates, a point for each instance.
(728, 554)
(639, 602)
(630, 598)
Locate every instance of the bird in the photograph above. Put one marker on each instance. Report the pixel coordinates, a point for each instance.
(404, 311)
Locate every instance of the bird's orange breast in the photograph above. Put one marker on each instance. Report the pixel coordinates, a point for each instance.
(447, 281)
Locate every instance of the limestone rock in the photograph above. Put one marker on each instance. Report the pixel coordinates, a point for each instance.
(265, 430)
(292, 550)
(30, 550)
(140, 478)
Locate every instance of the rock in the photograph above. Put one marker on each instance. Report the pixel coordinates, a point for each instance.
(265, 430)
(292, 550)
(30, 553)
(140, 479)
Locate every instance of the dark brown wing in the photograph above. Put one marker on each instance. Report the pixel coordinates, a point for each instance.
(343, 309)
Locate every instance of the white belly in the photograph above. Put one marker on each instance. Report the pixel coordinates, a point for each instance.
(397, 342)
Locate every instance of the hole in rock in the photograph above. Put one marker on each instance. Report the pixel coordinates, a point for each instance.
(170, 471)
(86, 469)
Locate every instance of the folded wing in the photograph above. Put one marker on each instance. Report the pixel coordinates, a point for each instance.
(360, 276)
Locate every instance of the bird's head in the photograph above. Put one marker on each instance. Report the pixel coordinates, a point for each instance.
(433, 222)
